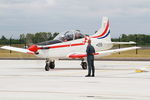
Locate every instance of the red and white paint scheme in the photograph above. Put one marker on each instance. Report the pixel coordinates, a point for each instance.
(72, 45)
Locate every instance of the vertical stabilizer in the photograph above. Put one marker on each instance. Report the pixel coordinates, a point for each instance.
(104, 31)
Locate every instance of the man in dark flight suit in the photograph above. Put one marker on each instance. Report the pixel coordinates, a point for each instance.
(90, 59)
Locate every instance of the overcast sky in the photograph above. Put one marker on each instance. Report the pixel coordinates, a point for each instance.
(31, 16)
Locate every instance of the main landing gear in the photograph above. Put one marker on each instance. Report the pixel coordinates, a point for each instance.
(50, 64)
(83, 64)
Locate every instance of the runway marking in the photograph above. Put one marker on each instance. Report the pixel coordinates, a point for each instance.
(106, 97)
(29, 91)
(75, 93)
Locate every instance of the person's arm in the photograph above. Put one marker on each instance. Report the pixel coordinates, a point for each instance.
(88, 50)
(93, 50)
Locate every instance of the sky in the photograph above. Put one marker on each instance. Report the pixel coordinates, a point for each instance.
(31, 16)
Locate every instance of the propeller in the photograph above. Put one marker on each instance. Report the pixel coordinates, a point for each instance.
(34, 47)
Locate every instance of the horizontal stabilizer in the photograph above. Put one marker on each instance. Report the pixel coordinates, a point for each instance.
(22, 50)
(131, 42)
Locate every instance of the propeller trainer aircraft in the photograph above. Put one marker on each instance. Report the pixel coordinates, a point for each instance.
(72, 44)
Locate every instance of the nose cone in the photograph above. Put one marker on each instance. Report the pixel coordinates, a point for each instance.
(33, 48)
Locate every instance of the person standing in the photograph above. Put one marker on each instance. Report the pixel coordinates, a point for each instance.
(90, 59)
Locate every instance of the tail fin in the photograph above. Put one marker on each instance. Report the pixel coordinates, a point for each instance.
(104, 31)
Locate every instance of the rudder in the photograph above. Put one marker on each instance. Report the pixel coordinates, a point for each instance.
(104, 31)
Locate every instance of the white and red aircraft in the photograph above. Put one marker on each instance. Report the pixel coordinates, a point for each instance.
(72, 44)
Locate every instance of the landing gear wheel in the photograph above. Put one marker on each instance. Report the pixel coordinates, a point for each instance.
(52, 65)
(47, 67)
(84, 65)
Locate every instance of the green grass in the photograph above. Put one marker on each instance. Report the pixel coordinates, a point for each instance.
(143, 53)
(7, 54)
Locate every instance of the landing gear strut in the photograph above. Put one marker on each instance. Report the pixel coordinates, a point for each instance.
(50, 64)
(83, 64)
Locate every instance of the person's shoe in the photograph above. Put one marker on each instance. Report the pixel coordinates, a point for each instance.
(93, 76)
(87, 76)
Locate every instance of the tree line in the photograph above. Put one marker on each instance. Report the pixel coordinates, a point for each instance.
(29, 38)
(140, 39)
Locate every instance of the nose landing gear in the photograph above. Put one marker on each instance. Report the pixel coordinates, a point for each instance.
(50, 64)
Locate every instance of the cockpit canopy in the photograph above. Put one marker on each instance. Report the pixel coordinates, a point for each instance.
(69, 35)
(64, 37)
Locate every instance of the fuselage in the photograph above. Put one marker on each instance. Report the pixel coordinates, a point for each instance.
(62, 50)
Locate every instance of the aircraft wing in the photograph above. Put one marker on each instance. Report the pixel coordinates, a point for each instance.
(22, 50)
(82, 55)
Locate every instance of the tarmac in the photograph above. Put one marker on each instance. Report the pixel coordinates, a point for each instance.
(115, 80)
(100, 59)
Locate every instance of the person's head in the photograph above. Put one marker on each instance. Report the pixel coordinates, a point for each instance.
(89, 41)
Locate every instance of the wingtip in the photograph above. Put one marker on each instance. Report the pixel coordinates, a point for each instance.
(3, 47)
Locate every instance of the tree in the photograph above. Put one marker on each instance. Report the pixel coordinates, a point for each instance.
(30, 39)
(22, 38)
(141, 39)
(3, 38)
(55, 34)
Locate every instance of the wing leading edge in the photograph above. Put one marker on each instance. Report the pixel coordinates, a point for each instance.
(17, 49)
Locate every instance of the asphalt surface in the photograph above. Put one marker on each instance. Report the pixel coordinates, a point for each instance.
(115, 80)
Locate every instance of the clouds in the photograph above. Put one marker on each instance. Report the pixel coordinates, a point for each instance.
(23, 16)
(105, 7)
(24, 3)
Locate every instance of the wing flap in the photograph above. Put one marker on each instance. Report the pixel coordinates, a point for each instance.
(17, 49)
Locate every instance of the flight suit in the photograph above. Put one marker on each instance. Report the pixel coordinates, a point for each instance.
(90, 59)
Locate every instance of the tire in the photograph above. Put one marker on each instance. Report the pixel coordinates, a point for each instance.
(52, 65)
(84, 65)
(47, 67)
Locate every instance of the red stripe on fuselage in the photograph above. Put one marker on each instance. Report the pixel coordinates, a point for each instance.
(105, 31)
(73, 56)
(77, 44)
(61, 46)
